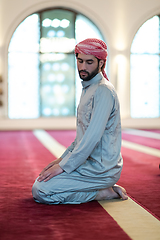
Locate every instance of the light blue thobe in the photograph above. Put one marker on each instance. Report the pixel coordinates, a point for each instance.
(93, 161)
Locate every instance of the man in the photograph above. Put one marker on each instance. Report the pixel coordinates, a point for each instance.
(89, 168)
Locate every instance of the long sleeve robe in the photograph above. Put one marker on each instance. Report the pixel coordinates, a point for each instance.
(93, 161)
(96, 149)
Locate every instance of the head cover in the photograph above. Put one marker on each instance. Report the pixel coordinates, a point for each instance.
(95, 47)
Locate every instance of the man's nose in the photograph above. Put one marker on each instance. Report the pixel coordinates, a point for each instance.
(83, 66)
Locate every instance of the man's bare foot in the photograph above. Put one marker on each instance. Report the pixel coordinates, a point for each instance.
(120, 191)
(106, 194)
(112, 193)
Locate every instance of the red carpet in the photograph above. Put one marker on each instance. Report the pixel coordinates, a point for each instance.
(63, 137)
(141, 179)
(140, 175)
(153, 130)
(149, 142)
(22, 157)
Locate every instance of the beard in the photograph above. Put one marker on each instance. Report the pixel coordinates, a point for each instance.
(86, 76)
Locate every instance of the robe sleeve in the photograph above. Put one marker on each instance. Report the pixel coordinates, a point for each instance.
(103, 105)
(69, 149)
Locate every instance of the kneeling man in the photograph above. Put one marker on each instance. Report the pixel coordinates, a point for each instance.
(91, 166)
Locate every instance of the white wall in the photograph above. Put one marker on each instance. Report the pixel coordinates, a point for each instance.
(119, 20)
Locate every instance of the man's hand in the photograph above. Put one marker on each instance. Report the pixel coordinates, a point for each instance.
(52, 171)
(50, 165)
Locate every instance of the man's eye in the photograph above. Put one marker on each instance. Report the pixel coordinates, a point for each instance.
(90, 62)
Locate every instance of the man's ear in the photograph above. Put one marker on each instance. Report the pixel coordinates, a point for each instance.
(101, 63)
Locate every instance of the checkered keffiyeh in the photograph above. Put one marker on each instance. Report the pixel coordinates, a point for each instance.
(95, 47)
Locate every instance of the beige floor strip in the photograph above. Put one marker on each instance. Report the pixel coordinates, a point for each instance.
(50, 143)
(142, 133)
(132, 218)
(141, 148)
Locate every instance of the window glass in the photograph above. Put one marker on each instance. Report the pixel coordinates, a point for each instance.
(57, 44)
(57, 86)
(146, 39)
(42, 75)
(23, 70)
(84, 28)
(145, 71)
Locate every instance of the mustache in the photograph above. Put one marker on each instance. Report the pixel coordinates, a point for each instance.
(83, 71)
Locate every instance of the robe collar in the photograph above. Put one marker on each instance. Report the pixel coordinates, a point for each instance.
(96, 79)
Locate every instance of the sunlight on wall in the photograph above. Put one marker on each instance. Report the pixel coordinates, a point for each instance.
(121, 81)
(121, 72)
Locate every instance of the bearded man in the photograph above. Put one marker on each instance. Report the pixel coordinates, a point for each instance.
(90, 168)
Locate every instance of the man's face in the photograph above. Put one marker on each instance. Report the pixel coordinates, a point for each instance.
(88, 66)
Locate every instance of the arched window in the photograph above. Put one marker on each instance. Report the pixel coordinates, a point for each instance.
(42, 77)
(145, 71)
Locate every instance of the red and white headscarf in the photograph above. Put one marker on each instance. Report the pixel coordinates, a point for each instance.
(95, 47)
